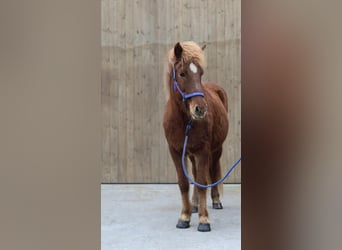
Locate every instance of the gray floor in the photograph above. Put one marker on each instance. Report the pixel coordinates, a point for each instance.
(144, 217)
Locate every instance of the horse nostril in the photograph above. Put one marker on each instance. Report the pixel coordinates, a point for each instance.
(199, 111)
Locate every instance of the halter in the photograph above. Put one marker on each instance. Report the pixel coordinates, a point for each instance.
(184, 96)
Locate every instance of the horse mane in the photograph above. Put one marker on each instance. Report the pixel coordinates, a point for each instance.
(192, 52)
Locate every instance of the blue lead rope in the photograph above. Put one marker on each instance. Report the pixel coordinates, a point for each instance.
(188, 127)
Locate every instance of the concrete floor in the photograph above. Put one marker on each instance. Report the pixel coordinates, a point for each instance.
(144, 216)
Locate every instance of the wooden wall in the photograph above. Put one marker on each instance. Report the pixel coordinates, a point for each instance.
(136, 34)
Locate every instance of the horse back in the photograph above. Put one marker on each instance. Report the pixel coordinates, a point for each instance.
(218, 107)
(219, 91)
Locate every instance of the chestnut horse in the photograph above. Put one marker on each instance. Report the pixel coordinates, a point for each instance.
(205, 105)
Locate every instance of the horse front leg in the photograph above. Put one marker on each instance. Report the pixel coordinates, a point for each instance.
(202, 177)
(184, 220)
(195, 191)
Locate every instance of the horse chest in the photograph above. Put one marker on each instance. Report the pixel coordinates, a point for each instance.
(198, 140)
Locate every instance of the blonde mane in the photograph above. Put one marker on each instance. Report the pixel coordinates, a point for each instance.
(192, 52)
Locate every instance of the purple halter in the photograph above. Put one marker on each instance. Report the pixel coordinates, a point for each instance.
(184, 96)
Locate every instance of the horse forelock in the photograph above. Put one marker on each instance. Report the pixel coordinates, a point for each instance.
(192, 52)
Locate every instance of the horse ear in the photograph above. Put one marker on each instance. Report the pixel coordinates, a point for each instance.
(203, 47)
(178, 51)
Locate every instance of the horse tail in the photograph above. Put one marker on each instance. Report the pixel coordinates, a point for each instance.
(220, 189)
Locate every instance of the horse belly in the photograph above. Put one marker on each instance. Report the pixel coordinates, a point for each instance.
(220, 132)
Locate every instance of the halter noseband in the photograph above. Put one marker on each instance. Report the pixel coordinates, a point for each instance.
(184, 96)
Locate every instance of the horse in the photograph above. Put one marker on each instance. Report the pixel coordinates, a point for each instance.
(205, 107)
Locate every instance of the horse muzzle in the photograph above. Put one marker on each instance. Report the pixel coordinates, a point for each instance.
(198, 112)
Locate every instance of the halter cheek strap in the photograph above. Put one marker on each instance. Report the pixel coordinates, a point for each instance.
(184, 96)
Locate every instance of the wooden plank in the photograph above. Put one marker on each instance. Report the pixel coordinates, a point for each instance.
(120, 107)
(129, 83)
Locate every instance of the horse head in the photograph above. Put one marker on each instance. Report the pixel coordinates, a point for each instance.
(187, 74)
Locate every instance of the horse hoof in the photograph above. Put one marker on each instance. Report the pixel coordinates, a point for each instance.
(194, 210)
(183, 224)
(204, 227)
(217, 205)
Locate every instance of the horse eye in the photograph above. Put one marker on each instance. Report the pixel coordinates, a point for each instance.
(182, 74)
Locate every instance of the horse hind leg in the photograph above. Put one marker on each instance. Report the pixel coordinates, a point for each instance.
(215, 175)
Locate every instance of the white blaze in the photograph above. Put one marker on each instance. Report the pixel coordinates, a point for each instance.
(193, 68)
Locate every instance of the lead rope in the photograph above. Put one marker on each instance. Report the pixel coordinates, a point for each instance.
(187, 129)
